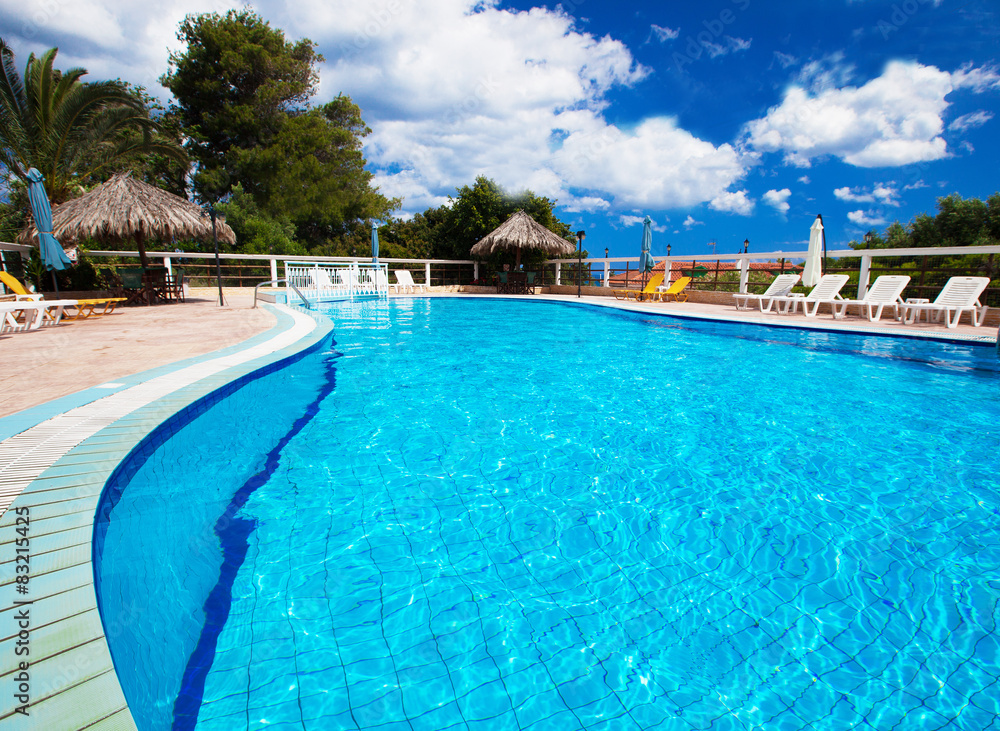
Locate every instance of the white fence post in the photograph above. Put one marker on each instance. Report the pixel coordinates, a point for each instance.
(744, 275)
(607, 273)
(427, 274)
(558, 273)
(475, 271)
(274, 268)
(167, 264)
(866, 262)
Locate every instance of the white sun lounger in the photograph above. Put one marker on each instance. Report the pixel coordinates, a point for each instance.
(885, 290)
(33, 313)
(404, 282)
(960, 294)
(779, 287)
(827, 289)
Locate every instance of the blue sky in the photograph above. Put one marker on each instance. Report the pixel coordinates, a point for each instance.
(725, 120)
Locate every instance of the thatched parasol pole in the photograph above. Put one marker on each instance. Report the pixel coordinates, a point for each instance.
(140, 244)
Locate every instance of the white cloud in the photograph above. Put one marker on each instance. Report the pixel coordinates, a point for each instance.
(585, 204)
(862, 218)
(778, 199)
(846, 194)
(690, 223)
(916, 186)
(655, 165)
(732, 202)
(983, 78)
(629, 220)
(883, 193)
(894, 119)
(970, 121)
(663, 33)
(804, 180)
(728, 45)
(785, 59)
(127, 39)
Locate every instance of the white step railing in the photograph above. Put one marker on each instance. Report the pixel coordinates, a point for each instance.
(320, 282)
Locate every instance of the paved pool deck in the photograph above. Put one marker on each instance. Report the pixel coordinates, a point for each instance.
(78, 398)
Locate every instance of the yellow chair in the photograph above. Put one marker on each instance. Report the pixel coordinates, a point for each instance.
(649, 291)
(676, 290)
(84, 308)
(16, 288)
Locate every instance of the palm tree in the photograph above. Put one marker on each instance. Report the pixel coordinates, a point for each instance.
(73, 132)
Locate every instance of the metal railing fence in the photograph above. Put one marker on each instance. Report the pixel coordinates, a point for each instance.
(928, 268)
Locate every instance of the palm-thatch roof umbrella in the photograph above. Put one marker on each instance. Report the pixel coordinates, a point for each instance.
(124, 209)
(521, 231)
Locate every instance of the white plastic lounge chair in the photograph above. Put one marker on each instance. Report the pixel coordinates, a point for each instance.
(404, 282)
(779, 287)
(960, 294)
(885, 290)
(320, 280)
(827, 290)
(32, 314)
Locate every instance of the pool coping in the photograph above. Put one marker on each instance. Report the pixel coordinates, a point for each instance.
(56, 459)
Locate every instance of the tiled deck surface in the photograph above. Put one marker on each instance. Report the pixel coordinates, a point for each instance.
(56, 458)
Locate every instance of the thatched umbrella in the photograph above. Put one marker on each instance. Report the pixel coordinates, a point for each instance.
(126, 209)
(521, 231)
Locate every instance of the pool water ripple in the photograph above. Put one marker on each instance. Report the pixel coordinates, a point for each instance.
(526, 516)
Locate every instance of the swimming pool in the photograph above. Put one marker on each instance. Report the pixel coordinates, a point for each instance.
(527, 515)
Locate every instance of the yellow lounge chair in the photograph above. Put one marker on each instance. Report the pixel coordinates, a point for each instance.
(16, 288)
(84, 308)
(648, 291)
(676, 290)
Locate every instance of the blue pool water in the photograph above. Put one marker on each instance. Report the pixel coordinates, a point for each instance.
(524, 515)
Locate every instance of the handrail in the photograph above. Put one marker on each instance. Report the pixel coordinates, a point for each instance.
(279, 281)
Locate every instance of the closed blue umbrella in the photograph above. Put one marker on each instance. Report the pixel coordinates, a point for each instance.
(374, 243)
(53, 256)
(646, 262)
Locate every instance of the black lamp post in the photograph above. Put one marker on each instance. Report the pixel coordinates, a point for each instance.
(746, 245)
(210, 212)
(579, 260)
(869, 236)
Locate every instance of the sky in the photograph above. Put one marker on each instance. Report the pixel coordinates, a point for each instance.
(723, 121)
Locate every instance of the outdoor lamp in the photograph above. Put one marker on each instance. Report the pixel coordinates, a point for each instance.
(746, 245)
(210, 212)
(868, 237)
(668, 249)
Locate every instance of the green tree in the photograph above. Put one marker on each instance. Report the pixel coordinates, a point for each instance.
(313, 171)
(256, 231)
(73, 132)
(235, 83)
(478, 209)
(242, 94)
(958, 222)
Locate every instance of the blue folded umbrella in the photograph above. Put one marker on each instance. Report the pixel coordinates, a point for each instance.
(53, 256)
